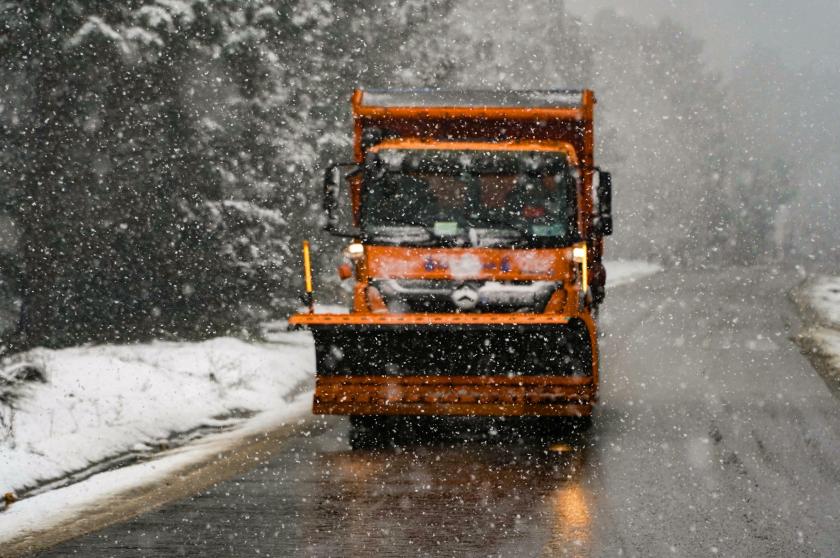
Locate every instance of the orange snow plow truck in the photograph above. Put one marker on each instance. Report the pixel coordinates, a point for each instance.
(475, 224)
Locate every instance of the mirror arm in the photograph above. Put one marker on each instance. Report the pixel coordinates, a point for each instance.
(343, 234)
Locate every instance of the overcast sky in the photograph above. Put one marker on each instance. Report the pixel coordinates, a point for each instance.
(803, 33)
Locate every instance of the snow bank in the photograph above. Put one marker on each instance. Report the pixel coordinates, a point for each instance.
(823, 296)
(621, 272)
(108, 490)
(820, 300)
(828, 340)
(96, 403)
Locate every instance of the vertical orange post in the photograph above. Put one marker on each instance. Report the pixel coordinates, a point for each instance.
(307, 274)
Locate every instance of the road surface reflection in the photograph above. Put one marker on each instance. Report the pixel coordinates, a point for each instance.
(512, 494)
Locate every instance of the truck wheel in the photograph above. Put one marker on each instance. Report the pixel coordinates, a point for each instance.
(368, 431)
(565, 428)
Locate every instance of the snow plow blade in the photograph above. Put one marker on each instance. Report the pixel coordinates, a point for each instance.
(451, 364)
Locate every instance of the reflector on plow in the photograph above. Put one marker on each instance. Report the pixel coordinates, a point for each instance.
(322, 320)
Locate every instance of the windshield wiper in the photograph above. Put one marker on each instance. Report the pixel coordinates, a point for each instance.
(395, 234)
(522, 231)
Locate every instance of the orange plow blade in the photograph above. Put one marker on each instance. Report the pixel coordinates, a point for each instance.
(454, 395)
(451, 364)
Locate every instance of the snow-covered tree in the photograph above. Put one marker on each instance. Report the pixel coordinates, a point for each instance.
(166, 161)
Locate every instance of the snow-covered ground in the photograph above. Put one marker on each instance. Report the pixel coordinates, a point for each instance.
(828, 340)
(84, 407)
(821, 298)
(621, 272)
(60, 507)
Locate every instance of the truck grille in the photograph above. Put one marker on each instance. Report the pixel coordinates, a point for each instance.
(438, 295)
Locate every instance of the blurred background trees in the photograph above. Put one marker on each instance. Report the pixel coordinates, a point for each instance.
(159, 159)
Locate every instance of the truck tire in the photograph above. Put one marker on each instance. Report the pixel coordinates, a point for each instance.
(368, 431)
(569, 429)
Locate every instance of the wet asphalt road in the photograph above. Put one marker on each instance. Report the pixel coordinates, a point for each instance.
(714, 437)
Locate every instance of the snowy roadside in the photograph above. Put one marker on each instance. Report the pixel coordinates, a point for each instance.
(622, 272)
(822, 294)
(67, 414)
(81, 426)
(37, 523)
(819, 302)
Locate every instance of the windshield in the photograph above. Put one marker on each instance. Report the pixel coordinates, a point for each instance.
(469, 197)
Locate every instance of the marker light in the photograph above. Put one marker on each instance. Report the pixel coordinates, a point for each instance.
(579, 256)
(307, 273)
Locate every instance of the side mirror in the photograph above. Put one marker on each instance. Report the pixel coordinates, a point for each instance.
(337, 201)
(604, 222)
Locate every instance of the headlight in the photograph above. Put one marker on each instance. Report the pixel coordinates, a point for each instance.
(354, 251)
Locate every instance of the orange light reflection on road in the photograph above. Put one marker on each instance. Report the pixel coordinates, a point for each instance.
(572, 532)
(561, 448)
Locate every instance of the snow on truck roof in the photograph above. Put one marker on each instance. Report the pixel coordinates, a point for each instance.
(454, 98)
